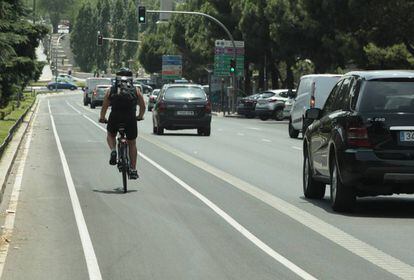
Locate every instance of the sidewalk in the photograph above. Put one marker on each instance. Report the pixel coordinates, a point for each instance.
(220, 114)
(46, 72)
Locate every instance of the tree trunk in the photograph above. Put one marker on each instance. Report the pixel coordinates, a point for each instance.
(275, 75)
(289, 75)
(248, 79)
(261, 78)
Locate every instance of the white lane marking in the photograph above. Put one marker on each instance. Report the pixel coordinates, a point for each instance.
(267, 140)
(251, 237)
(14, 198)
(254, 128)
(240, 134)
(297, 148)
(76, 110)
(332, 233)
(220, 129)
(91, 261)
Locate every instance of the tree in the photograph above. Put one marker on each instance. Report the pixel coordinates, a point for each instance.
(131, 32)
(18, 41)
(118, 31)
(55, 9)
(103, 21)
(83, 38)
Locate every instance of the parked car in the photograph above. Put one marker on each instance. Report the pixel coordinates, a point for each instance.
(247, 105)
(182, 106)
(312, 92)
(271, 104)
(91, 83)
(362, 141)
(98, 95)
(152, 98)
(62, 84)
(66, 77)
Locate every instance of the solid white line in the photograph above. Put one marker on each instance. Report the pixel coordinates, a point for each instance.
(76, 110)
(91, 261)
(253, 128)
(267, 140)
(332, 233)
(11, 210)
(240, 134)
(251, 237)
(297, 148)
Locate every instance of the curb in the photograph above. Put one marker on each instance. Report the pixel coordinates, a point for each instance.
(11, 154)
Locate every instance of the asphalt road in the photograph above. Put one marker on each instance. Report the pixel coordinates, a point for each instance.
(228, 206)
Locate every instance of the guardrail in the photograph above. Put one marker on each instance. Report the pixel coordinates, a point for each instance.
(14, 128)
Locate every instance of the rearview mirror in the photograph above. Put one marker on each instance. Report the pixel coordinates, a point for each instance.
(313, 114)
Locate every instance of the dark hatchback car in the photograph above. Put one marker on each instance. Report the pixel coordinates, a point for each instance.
(247, 105)
(362, 141)
(182, 106)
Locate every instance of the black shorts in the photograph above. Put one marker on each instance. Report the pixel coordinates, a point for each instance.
(127, 119)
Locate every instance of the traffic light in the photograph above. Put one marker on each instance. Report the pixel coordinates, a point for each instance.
(232, 66)
(142, 14)
(100, 39)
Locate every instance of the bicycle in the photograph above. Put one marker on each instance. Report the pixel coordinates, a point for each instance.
(123, 162)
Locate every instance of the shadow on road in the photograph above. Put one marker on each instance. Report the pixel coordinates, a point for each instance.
(114, 191)
(373, 207)
(179, 134)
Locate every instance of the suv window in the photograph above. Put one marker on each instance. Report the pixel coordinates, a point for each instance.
(343, 99)
(330, 102)
(180, 93)
(388, 95)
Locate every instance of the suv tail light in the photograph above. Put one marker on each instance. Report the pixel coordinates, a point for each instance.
(358, 137)
(208, 107)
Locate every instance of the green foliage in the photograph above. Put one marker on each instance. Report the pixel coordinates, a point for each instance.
(83, 38)
(394, 57)
(18, 41)
(118, 31)
(103, 20)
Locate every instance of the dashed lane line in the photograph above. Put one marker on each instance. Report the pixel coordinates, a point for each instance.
(332, 233)
(231, 221)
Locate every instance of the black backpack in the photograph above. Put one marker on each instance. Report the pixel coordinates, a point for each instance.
(123, 97)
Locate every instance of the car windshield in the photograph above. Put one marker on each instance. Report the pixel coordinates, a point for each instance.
(388, 96)
(179, 93)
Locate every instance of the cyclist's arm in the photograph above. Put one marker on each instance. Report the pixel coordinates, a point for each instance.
(141, 104)
(105, 105)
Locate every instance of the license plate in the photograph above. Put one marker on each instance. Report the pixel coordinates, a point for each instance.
(185, 113)
(407, 136)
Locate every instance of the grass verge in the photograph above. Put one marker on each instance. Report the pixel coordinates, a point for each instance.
(11, 118)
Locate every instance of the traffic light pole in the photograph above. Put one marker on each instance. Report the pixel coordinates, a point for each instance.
(233, 80)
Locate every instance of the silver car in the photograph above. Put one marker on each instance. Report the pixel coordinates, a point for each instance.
(272, 105)
(98, 95)
(152, 98)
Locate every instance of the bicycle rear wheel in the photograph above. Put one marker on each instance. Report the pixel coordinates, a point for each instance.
(124, 166)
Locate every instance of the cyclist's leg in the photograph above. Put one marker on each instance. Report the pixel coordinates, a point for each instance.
(133, 153)
(112, 129)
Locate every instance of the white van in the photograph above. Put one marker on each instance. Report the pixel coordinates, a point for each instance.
(312, 92)
(91, 83)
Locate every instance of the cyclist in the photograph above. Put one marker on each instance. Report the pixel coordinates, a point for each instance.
(123, 97)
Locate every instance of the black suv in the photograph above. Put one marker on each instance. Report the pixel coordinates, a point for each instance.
(182, 106)
(362, 141)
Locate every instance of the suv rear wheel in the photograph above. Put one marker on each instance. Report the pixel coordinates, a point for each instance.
(311, 188)
(342, 197)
